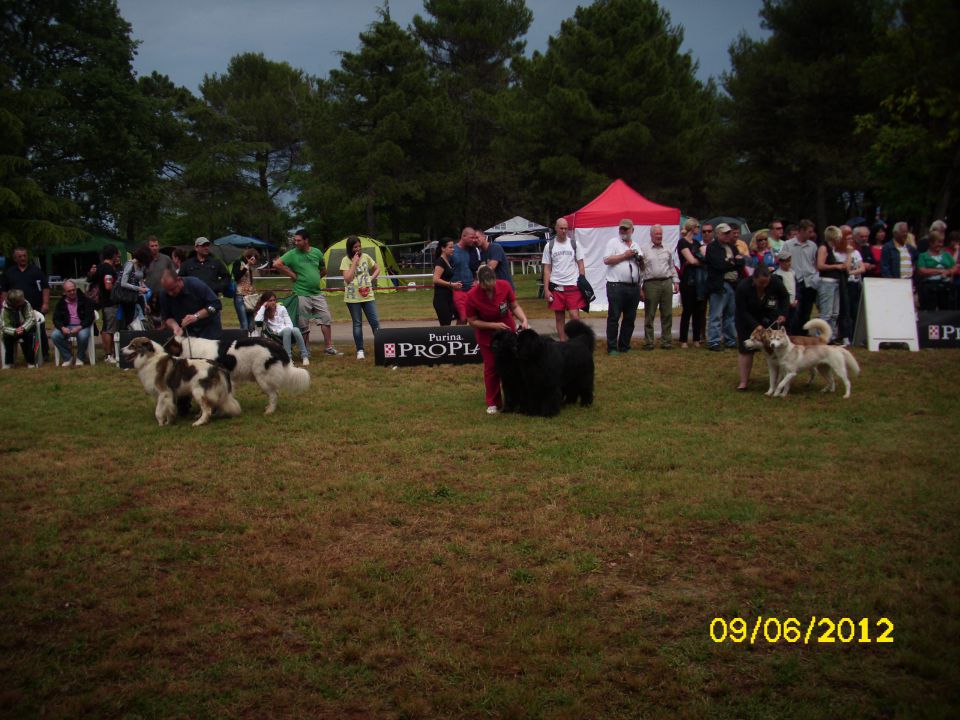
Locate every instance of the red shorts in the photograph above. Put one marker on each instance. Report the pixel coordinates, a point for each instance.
(460, 304)
(567, 297)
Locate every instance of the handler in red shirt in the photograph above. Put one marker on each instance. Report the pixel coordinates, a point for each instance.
(491, 306)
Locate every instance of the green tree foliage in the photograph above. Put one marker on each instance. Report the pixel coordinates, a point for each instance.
(914, 131)
(791, 112)
(76, 111)
(473, 45)
(380, 145)
(245, 147)
(613, 96)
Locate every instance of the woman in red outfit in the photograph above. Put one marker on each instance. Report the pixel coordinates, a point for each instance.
(491, 306)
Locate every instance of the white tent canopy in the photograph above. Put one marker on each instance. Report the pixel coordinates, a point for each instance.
(517, 225)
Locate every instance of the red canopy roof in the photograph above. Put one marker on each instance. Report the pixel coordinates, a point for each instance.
(620, 201)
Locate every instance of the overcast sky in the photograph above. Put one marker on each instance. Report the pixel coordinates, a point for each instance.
(186, 39)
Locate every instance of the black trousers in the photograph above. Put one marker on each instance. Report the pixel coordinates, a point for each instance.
(444, 308)
(622, 301)
(808, 298)
(25, 341)
(693, 308)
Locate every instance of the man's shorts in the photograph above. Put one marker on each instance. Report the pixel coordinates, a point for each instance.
(460, 303)
(109, 319)
(567, 297)
(312, 307)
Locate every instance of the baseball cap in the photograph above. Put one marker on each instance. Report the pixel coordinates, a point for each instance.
(201, 241)
(626, 223)
(784, 255)
(723, 227)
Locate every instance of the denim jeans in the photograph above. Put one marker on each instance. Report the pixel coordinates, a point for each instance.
(722, 306)
(287, 335)
(369, 309)
(828, 302)
(241, 312)
(622, 301)
(63, 344)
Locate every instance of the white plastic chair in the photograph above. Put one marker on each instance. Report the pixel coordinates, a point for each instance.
(91, 345)
(38, 356)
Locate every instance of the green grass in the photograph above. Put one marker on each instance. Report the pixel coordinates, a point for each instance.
(381, 548)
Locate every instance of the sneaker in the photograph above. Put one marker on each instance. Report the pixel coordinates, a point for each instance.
(684, 345)
(714, 348)
(492, 410)
(668, 346)
(110, 359)
(613, 352)
(79, 363)
(648, 347)
(360, 355)
(65, 364)
(332, 351)
(305, 362)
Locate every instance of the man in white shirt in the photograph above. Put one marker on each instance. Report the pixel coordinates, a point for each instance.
(624, 261)
(660, 284)
(562, 265)
(803, 250)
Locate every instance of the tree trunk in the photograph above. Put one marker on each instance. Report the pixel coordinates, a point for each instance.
(262, 160)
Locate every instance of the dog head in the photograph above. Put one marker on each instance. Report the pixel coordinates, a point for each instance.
(778, 338)
(504, 344)
(140, 350)
(757, 340)
(529, 344)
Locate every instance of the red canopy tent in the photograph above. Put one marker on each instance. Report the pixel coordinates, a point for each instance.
(596, 223)
(620, 201)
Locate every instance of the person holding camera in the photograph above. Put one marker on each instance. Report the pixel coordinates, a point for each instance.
(624, 261)
(246, 297)
(360, 272)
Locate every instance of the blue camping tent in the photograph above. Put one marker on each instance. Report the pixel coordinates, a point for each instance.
(243, 242)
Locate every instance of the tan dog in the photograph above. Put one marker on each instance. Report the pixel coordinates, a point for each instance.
(826, 359)
(760, 340)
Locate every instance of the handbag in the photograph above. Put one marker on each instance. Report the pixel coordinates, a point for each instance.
(250, 301)
(121, 295)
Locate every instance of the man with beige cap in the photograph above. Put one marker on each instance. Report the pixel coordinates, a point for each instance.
(624, 261)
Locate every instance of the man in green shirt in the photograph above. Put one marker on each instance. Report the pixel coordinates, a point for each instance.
(304, 264)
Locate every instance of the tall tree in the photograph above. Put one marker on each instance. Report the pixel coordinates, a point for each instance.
(793, 99)
(383, 138)
(248, 134)
(914, 131)
(69, 83)
(473, 45)
(614, 96)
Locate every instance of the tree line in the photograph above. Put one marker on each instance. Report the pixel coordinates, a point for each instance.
(846, 107)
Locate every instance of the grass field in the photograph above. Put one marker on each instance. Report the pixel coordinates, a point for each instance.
(380, 548)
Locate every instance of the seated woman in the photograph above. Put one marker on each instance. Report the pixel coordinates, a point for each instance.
(278, 326)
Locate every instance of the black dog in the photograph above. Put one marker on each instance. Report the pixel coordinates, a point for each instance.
(578, 363)
(504, 347)
(541, 373)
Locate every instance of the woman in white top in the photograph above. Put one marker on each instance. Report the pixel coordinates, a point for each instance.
(278, 326)
(850, 293)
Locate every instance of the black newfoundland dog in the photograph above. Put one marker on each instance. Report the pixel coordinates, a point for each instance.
(539, 374)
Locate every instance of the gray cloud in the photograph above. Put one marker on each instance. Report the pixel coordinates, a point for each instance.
(186, 40)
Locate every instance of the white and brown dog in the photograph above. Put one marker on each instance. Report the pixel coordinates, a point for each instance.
(169, 379)
(760, 340)
(828, 360)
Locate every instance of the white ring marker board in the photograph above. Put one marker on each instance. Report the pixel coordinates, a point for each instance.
(886, 314)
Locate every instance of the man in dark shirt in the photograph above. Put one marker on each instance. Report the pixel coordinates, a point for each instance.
(495, 258)
(104, 276)
(26, 276)
(188, 306)
(208, 269)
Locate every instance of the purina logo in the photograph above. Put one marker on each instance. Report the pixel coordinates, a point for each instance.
(933, 332)
(389, 350)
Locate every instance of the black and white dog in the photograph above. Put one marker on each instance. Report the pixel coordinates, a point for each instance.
(258, 359)
(540, 374)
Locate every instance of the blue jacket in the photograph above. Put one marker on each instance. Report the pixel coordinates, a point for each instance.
(890, 259)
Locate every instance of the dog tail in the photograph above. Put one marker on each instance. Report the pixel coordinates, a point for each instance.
(230, 407)
(579, 329)
(822, 327)
(295, 379)
(852, 367)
